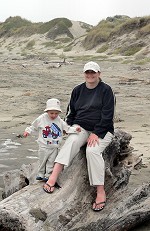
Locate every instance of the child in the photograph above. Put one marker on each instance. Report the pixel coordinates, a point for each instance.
(50, 129)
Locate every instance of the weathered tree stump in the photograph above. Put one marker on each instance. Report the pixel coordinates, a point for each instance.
(69, 208)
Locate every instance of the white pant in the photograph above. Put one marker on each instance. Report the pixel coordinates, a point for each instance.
(95, 161)
(46, 159)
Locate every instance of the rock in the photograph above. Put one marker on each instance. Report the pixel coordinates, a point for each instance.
(69, 208)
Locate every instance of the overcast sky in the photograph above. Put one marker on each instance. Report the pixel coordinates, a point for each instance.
(89, 11)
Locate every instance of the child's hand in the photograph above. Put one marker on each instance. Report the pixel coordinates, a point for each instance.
(78, 129)
(74, 130)
(25, 134)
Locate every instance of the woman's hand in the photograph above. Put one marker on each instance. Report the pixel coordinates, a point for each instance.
(92, 140)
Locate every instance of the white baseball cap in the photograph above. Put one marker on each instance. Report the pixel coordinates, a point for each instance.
(53, 104)
(91, 66)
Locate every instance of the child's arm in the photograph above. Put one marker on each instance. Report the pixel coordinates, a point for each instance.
(74, 129)
(32, 128)
(71, 129)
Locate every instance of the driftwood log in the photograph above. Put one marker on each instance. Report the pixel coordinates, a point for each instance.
(29, 208)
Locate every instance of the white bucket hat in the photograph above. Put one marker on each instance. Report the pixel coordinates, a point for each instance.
(53, 104)
(91, 66)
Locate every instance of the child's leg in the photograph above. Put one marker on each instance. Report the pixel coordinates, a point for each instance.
(44, 154)
(42, 162)
(50, 161)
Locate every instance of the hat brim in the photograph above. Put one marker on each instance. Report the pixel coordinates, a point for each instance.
(90, 69)
(53, 109)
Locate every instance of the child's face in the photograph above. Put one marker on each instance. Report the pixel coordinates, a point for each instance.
(53, 114)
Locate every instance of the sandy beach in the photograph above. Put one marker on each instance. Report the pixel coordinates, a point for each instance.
(27, 84)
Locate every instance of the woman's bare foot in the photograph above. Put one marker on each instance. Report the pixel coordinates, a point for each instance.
(49, 186)
(100, 200)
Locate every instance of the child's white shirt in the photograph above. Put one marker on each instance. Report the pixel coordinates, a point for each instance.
(50, 132)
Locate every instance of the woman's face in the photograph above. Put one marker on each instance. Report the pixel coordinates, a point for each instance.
(91, 76)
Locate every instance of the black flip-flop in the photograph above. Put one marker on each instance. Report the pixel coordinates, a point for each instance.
(99, 209)
(56, 185)
(48, 190)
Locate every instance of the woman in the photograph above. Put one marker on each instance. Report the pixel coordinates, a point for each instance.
(92, 108)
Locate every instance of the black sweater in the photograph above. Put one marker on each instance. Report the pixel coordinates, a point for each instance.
(92, 109)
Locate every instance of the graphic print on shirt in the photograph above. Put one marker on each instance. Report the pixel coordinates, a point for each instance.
(53, 132)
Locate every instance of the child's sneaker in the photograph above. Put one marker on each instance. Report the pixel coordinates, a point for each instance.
(45, 179)
(39, 178)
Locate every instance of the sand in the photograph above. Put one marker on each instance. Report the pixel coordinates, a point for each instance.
(27, 84)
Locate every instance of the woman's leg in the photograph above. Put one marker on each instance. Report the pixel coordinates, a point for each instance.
(100, 198)
(50, 184)
(66, 154)
(71, 147)
(96, 169)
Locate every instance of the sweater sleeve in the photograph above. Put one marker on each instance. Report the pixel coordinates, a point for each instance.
(107, 114)
(65, 126)
(34, 126)
(70, 115)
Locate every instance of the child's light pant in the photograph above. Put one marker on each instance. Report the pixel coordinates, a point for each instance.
(95, 161)
(46, 159)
